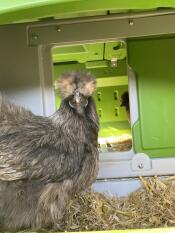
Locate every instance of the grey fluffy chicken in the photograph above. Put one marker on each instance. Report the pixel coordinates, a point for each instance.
(44, 161)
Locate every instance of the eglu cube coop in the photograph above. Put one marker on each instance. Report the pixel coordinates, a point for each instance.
(128, 46)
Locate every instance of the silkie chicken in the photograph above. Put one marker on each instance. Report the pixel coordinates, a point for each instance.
(45, 161)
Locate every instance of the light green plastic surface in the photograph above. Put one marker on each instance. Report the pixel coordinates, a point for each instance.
(156, 230)
(109, 106)
(153, 61)
(79, 53)
(115, 49)
(31, 10)
(90, 52)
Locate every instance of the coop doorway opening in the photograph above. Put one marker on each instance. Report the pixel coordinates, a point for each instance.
(107, 61)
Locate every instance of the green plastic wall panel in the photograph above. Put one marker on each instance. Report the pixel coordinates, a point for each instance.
(99, 72)
(90, 52)
(113, 119)
(97, 64)
(153, 60)
(108, 103)
(112, 81)
(115, 50)
(79, 53)
(32, 10)
(108, 129)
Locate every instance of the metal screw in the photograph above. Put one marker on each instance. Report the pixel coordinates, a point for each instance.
(58, 29)
(35, 36)
(141, 165)
(131, 22)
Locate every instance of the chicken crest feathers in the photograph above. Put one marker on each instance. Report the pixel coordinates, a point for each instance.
(71, 81)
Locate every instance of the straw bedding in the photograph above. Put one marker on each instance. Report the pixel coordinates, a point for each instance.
(120, 143)
(152, 205)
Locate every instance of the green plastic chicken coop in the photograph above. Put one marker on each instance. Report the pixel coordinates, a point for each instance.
(127, 45)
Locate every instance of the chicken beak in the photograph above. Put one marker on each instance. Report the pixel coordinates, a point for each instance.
(77, 97)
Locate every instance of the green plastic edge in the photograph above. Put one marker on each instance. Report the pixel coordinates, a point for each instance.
(155, 230)
(151, 230)
(26, 11)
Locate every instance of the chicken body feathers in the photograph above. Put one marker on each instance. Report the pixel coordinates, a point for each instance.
(51, 158)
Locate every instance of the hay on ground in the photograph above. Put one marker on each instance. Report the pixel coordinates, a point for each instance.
(120, 143)
(153, 205)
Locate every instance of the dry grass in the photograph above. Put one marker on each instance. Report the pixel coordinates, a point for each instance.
(153, 205)
(120, 143)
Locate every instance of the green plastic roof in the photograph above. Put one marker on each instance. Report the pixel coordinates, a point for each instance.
(12, 11)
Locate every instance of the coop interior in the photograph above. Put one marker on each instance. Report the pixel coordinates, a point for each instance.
(108, 62)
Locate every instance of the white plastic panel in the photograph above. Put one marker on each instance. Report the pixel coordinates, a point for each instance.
(119, 188)
(21, 71)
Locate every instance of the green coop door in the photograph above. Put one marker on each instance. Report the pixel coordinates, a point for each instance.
(153, 61)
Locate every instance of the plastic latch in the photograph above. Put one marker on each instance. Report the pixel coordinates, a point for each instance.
(141, 162)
